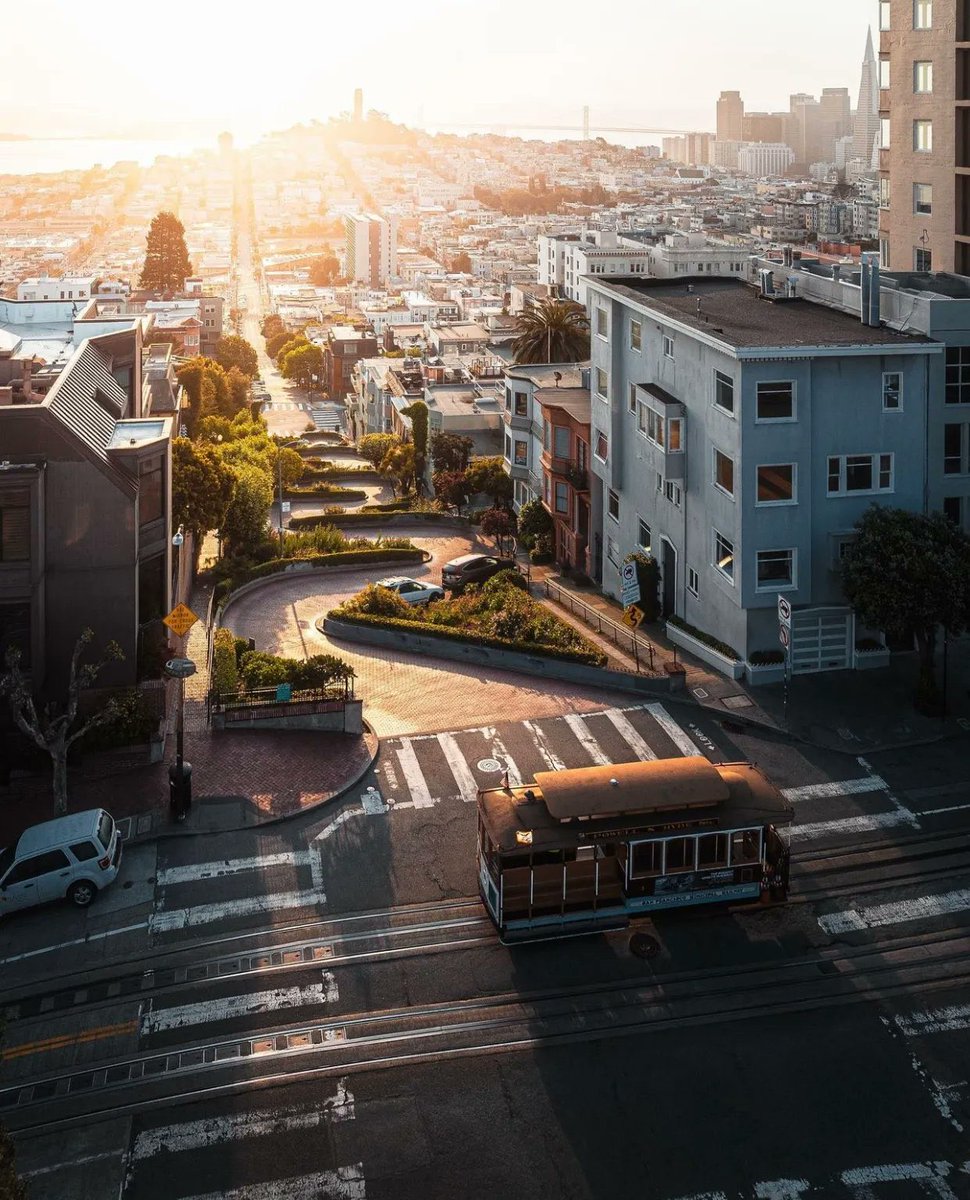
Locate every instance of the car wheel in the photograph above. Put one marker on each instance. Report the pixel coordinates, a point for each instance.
(81, 893)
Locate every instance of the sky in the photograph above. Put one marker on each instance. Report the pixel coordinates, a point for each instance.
(114, 68)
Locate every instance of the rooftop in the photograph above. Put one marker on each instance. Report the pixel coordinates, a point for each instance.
(574, 401)
(128, 434)
(735, 312)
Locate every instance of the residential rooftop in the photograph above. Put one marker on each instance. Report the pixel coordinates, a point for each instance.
(572, 400)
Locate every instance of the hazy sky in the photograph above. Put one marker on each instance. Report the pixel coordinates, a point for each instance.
(187, 66)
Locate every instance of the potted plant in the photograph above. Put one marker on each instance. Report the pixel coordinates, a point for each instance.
(870, 652)
(765, 666)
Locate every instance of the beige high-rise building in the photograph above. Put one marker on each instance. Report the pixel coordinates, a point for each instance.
(924, 157)
(730, 117)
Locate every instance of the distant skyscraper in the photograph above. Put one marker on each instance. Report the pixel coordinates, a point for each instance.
(866, 128)
(371, 248)
(358, 105)
(730, 117)
(225, 143)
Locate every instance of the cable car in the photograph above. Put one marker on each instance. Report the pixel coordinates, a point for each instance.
(587, 849)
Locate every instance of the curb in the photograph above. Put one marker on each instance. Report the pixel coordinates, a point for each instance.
(349, 785)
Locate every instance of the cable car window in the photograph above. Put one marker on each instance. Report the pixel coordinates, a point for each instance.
(712, 850)
(680, 855)
(648, 858)
(745, 847)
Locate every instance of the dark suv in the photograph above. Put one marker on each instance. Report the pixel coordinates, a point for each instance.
(473, 568)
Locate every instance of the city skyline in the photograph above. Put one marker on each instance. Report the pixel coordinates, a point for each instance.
(252, 90)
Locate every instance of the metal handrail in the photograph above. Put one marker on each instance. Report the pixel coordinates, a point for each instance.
(619, 636)
(260, 697)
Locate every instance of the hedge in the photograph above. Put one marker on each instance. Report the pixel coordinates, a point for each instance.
(362, 516)
(343, 558)
(225, 674)
(590, 658)
(324, 491)
(766, 658)
(706, 638)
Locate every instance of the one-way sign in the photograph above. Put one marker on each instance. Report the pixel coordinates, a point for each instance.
(784, 612)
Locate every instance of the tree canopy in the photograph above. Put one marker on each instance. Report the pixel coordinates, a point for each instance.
(304, 363)
(398, 465)
(202, 486)
(488, 476)
(451, 488)
(233, 351)
(246, 520)
(374, 446)
(552, 331)
(166, 257)
(418, 412)
(324, 270)
(450, 451)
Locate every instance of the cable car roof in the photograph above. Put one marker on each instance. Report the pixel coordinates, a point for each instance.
(637, 787)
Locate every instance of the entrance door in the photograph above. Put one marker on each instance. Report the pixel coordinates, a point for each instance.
(668, 566)
(821, 640)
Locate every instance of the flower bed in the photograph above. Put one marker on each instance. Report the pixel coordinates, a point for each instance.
(344, 558)
(324, 491)
(708, 649)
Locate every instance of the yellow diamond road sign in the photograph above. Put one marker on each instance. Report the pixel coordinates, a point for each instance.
(180, 620)
(632, 616)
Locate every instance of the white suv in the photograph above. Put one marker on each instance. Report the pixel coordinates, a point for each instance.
(70, 857)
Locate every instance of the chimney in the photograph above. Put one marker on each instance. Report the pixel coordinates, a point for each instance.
(870, 289)
(26, 369)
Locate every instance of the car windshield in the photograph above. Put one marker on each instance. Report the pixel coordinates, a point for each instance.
(6, 858)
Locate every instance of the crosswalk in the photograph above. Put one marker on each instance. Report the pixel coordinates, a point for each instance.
(327, 416)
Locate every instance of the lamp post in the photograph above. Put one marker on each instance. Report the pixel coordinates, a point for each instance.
(180, 776)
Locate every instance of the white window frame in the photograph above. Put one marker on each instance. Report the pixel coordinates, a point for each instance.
(728, 412)
(927, 72)
(602, 323)
(641, 526)
(777, 503)
(717, 452)
(717, 536)
(885, 15)
(613, 501)
(693, 582)
(516, 443)
(883, 68)
(596, 450)
(927, 209)
(632, 402)
(758, 419)
(672, 493)
(922, 14)
(563, 512)
(899, 392)
(774, 585)
(885, 132)
(923, 132)
(875, 467)
(668, 347)
(602, 377)
(636, 343)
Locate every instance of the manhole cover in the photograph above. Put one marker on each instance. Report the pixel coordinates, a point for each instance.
(644, 946)
(489, 765)
(736, 702)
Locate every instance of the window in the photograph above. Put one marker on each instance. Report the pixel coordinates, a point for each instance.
(613, 505)
(14, 526)
(954, 444)
(612, 552)
(643, 534)
(15, 631)
(922, 259)
(884, 12)
(521, 404)
(508, 446)
(840, 544)
(884, 253)
(40, 864)
(675, 430)
(923, 198)
(958, 374)
(668, 346)
(150, 494)
(776, 484)
(922, 14)
(892, 391)
(636, 335)
(562, 498)
(724, 392)
(679, 854)
(776, 569)
(633, 398)
(724, 472)
(693, 583)
(601, 322)
(884, 72)
(745, 847)
(884, 191)
(884, 133)
(521, 454)
(647, 858)
(672, 492)
(724, 555)
(923, 136)
(602, 383)
(84, 851)
(953, 509)
(546, 435)
(860, 473)
(922, 77)
(712, 850)
(560, 441)
(602, 447)
(776, 401)
(654, 425)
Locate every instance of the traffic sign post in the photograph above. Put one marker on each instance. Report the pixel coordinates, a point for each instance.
(180, 620)
(629, 585)
(632, 616)
(784, 636)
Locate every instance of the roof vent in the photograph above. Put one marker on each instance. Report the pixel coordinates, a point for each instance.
(766, 279)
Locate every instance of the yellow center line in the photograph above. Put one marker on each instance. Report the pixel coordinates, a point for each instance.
(69, 1039)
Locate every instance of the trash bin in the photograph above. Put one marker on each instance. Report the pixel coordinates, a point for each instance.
(180, 790)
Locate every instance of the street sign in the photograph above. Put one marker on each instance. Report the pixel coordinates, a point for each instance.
(784, 612)
(180, 620)
(287, 506)
(632, 616)
(784, 635)
(629, 584)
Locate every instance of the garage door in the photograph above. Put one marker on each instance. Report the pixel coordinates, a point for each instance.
(821, 640)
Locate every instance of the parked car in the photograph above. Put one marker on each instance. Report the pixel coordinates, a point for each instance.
(412, 591)
(473, 568)
(69, 858)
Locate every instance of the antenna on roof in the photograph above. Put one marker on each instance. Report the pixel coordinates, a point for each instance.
(557, 375)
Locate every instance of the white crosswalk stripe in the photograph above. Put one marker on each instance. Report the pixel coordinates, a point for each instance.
(672, 729)
(467, 786)
(549, 756)
(413, 775)
(625, 729)
(346, 1183)
(224, 1008)
(586, 739)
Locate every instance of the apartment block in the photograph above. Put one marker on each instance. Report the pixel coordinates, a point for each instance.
(371, 248)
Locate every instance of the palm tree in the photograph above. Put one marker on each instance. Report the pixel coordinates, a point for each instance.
(552, 331)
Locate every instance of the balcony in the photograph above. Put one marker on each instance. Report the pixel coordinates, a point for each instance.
(574, 474)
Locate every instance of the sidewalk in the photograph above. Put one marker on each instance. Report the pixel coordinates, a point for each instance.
(856, 712)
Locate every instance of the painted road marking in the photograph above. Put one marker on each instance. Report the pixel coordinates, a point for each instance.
(499, 751)
(817, 829)
(936, 1020)
(335, 824)
(413, 775)
(896, 913)
(170, 876)
(69, 1039)
(586, 739)
(860, 1180)
(467, 786)
(672, 729)
(235, 1127)
(824, 791)
(73, 1164)
(345, 1183)
(546, 753)
(58, 946)
(247, 906)
(781, 1189)
(932, 812)
(626, 731)
(206, 1012)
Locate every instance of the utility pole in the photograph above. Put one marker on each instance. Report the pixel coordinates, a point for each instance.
(279, 473)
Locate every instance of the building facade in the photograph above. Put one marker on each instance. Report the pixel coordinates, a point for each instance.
(565, 260)
(371, 248)
(730, 117)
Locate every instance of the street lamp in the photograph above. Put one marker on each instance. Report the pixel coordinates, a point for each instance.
(180, 776)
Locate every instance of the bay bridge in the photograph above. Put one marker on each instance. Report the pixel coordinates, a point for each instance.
(586, 128)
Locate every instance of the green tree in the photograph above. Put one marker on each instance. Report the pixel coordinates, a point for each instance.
(276, 342)
(247, 516)
(304, 364)
(207, 387)
(52, 728)
(461, 264)
(488, 476)
(910, 571)
(500, 525)
(535, 521)
(451, 488)
(233, 351)
(239, 390)
(272, 325)
(202, 486)
(552, 331)
(450, 451)
(324, 270)
(288, 463)
(11, 1187)
(295, 341)
(418, 412)
(397, 465)
(374, 447)
(166, 257)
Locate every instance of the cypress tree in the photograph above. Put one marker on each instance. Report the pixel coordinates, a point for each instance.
(166, 259)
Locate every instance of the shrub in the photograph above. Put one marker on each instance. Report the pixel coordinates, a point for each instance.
(261, 670)
(706, 638)
(333, 490)
(500, 583)
(379, 602)
(133, 723)
(225, 676)
(869, 644)
(766, 658)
